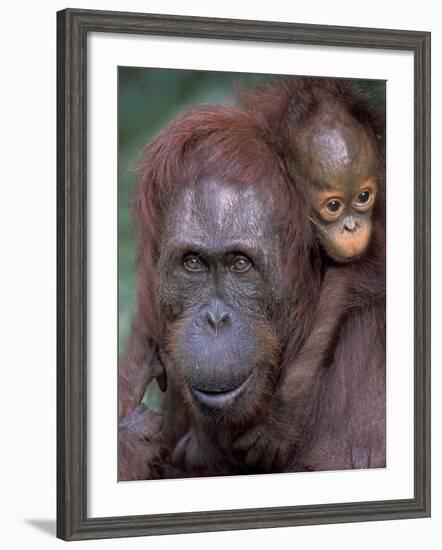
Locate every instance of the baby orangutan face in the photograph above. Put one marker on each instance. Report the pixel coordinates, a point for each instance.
(342, 216)
(339, 158)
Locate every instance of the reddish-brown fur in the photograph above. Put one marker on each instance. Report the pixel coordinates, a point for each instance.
(348, 291)
(338, 408)
(142, 452)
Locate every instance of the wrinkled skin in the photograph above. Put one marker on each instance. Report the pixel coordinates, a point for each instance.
(218, 288)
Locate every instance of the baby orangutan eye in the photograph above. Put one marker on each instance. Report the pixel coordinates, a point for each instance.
(240, 264)
(363, 197)
(333, 206)
(193, 263)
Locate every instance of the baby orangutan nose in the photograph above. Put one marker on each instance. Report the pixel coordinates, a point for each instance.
(351, 225)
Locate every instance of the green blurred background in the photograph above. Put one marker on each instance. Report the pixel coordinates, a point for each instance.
(147, 100)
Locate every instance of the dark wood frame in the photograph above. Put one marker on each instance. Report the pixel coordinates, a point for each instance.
(73, 27)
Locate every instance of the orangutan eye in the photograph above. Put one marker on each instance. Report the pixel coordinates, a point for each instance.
(363, 197)
(333, 206)
(193, 263)
(240, 264)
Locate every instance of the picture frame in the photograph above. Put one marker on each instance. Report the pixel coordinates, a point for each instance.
(73, 28)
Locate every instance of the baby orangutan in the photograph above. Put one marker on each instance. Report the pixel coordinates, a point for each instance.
(337, 159)
(332, 153)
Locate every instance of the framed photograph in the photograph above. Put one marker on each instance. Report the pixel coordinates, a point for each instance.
(243, 274)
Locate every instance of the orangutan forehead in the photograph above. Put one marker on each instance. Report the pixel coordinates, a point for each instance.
(223, 209)
(335, 149)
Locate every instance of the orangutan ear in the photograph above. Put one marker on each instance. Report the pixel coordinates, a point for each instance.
(162, 381)
(160, 373)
